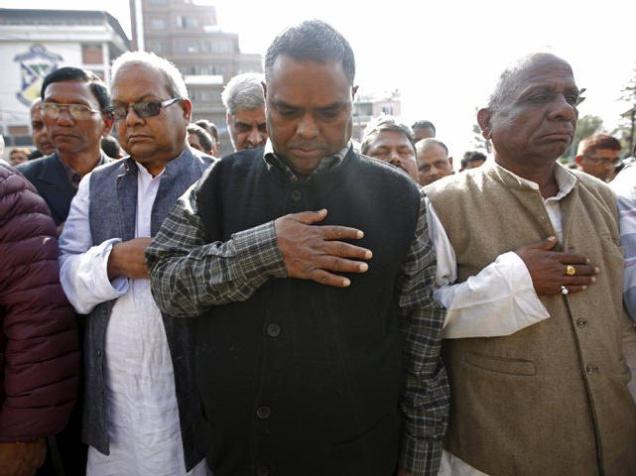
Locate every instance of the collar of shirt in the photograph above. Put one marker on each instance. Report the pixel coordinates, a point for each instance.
(565, 179)
(131, 165)
(272, 159)
(74, 177)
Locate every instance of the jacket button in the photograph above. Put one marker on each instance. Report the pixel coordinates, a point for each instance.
(581, 323)
(262, 471)
(590, 369)
(263, 412)
(296, 195)
(99, 353)
(273, 330)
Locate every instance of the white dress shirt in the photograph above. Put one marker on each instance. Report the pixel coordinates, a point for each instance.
(143, 417)
(500, 300)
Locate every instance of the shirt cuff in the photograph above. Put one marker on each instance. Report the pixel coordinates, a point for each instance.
(420, 457)
(258, 252)
(500, 300)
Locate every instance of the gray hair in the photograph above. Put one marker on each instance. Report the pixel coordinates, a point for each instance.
(381, 124)
(312, 40)
(243, 91)
(508, 80)
(429, 142)
(174, 81)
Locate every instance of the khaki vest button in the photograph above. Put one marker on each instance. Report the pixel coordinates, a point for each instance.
(581, 323)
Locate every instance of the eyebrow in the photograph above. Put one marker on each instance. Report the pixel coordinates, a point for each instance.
(335, 105)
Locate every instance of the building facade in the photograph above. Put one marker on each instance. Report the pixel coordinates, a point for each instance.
(189, 35)
(367, 106)
(34, 43)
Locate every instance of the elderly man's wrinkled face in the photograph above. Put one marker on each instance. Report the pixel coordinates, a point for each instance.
(308, 111)
(158, 138)
(396, 149)
(536, 123)
(247, 128)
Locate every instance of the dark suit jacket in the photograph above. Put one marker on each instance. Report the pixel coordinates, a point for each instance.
(50, 179)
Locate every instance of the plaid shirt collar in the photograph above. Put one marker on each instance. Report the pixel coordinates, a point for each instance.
(272, 159)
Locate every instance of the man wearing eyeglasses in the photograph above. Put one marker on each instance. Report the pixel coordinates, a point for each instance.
(136, 411)
(75, 113)
(599, 155)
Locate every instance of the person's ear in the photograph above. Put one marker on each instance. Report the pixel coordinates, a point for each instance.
(186, 107)
(484, 119)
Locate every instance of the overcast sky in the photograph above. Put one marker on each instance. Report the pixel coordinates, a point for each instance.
(444, 56)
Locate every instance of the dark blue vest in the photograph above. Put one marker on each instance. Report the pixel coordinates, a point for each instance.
(112, 214)
(304, 378)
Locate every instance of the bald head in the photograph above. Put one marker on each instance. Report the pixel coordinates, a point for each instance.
(513, 77)
(532, 114)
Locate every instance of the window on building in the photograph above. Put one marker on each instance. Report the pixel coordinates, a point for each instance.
(363, 109)
(387, 110)
(221, 46)
(157, 46)
(92, 53)
(158, 23)
(187, 22)
(19, 130)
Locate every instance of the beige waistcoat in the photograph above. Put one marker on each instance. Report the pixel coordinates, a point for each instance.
(551, 399)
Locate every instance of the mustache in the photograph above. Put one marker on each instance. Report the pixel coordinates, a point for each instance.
(307, 145)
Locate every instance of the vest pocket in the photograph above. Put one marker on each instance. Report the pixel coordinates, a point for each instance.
(501, 365)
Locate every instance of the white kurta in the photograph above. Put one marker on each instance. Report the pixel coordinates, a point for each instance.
(143, 417)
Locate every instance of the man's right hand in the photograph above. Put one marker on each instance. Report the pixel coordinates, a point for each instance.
(316, 252)
(127, 259)
(548, 268)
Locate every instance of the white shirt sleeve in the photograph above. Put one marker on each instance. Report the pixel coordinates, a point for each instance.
(83, 267)
(498, 301)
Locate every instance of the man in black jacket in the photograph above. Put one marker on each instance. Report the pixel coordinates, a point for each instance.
(75, 110)
(298, 357)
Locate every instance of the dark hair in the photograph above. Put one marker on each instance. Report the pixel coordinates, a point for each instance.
(312, 40)
(424, 125)
(110, 146)
(472, 156)
(210, 127)
(204, 138)
(598, 141)
(69, 73)
(381, 124)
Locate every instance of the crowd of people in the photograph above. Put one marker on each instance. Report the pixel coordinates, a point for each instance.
(309, 304)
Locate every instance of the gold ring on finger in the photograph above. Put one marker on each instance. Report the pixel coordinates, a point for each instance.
(570, 270)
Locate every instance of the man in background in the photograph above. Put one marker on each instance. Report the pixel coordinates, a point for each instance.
(245, 111)
(76, 113)
(598, 155)
(391, 141)
(40, 137)
(423, 130)
(433, 162)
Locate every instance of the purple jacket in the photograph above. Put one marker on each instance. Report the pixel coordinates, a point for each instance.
(39, 357)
